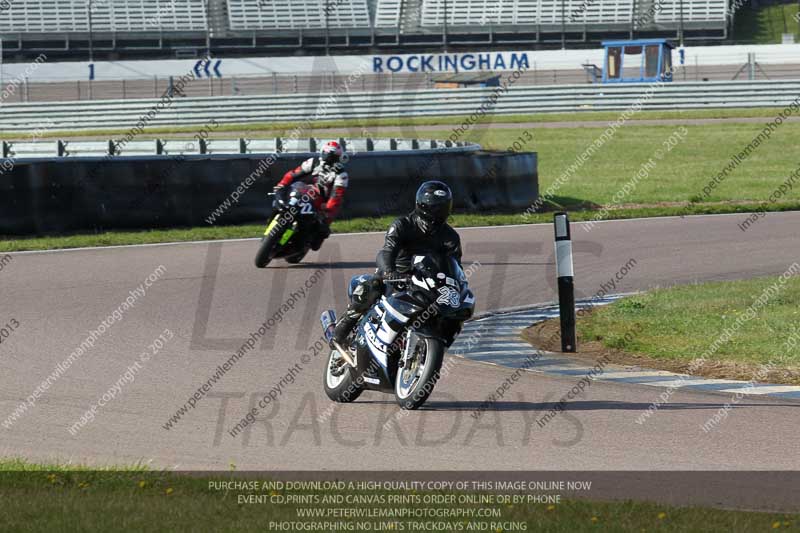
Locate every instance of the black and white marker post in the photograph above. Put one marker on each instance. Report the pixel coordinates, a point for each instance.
(566, 285)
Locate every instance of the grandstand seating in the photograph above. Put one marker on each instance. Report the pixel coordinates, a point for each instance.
(693, 11)
(387, 13)
(297, 14)
(41, 16)
(536, 12)
(303, 25)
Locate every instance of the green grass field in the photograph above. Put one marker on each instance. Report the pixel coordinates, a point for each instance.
(47, 498)
(682, 323)
(676, 179)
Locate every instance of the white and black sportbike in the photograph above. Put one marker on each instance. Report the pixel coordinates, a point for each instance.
(398, 346)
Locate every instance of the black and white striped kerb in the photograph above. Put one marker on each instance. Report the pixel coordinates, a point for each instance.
(566, 284)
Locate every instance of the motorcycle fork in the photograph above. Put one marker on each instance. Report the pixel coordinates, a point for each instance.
(405, 358)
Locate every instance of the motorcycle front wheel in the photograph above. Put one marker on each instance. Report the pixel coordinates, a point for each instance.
(415, 382)
(267, 249)
(296, 258)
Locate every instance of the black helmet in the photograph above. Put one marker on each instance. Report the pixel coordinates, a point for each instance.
(433, 205)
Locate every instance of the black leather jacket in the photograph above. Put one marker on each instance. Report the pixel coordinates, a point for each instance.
(404, 240)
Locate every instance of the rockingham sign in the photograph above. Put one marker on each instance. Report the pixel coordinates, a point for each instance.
(475, 61)
(455, 63)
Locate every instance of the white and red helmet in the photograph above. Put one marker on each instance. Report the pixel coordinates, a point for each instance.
(331, 152)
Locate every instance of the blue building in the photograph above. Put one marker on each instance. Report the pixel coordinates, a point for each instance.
(643, 60)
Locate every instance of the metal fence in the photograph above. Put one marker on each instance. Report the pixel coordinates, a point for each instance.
(311, 108)
(63, 91)
(26, 150)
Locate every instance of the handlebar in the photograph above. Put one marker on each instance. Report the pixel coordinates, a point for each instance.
(396, 279)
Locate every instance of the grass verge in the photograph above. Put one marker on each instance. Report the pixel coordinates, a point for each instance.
(74, 498)
(120, 238)
(683, 329)
(677, 180)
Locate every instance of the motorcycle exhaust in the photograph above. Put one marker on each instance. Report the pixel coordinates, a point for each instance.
(328, 319)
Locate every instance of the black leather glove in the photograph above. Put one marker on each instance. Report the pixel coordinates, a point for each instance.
(391, 276)
(280, 193)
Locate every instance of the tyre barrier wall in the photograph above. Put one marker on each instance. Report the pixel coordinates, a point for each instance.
(59, 195)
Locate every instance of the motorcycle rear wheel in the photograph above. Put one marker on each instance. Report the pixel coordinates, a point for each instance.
(414, 385)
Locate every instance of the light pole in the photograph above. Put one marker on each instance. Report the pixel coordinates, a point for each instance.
(445, 26)
(208, 29)
(326, 11)
(91, 51)
(91, 38)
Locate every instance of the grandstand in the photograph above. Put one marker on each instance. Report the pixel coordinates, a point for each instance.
(69, 16)
(187, 27)
(297, 14)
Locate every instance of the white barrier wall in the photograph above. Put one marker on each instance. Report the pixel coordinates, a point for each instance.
(456, 62)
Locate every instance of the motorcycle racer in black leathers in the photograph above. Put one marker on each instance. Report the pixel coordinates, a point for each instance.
(423, 232)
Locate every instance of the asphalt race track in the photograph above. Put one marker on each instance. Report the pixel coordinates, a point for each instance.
(212, 298)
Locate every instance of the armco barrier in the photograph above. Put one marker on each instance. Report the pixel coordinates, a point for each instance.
(46, 196)
(124, 114)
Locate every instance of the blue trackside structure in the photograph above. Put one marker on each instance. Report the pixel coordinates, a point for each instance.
(643, 60)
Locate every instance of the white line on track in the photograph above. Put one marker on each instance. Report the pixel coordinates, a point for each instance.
(758, 390)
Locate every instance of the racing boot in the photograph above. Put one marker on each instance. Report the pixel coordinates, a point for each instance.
(344, 326)
(322, 233)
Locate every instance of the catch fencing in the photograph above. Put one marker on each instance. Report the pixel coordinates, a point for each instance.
(120, 114)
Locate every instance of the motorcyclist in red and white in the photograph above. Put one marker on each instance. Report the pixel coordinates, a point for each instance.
(330, 183)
